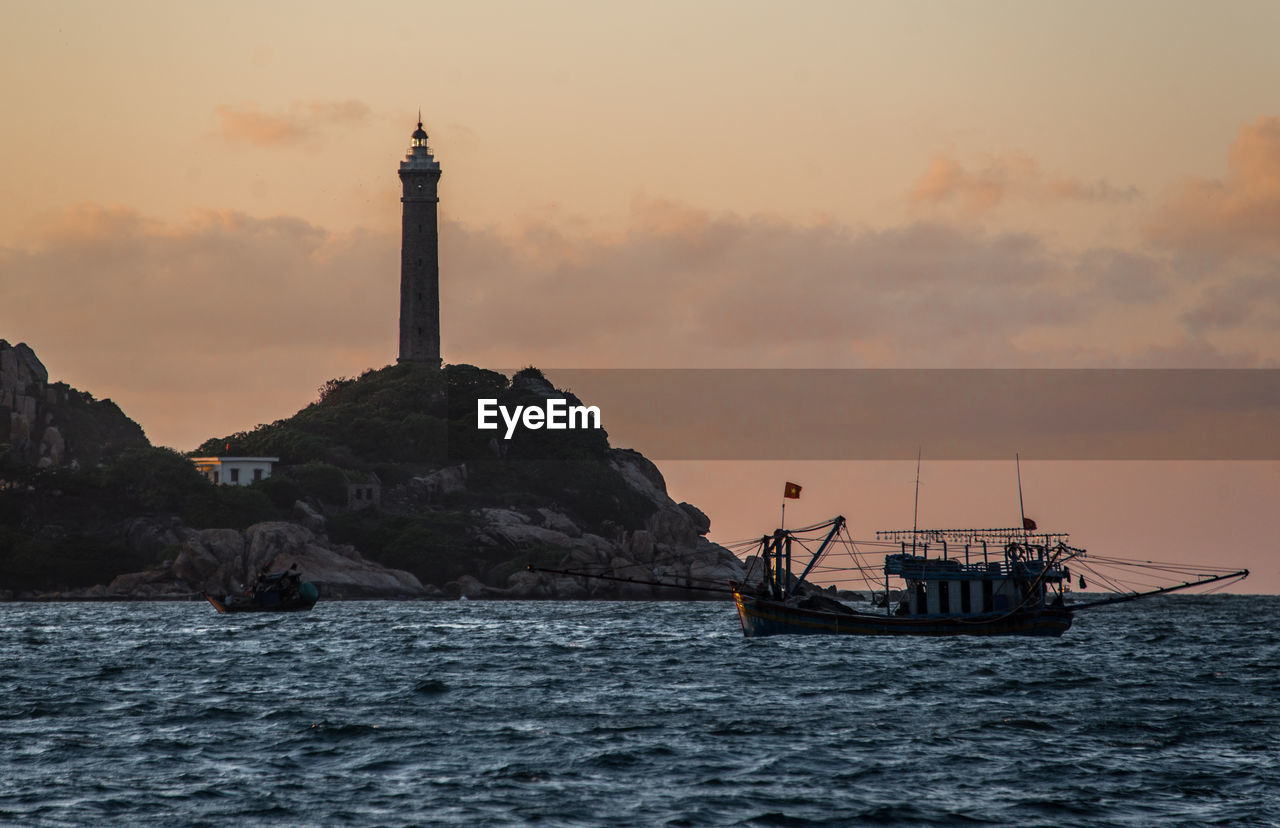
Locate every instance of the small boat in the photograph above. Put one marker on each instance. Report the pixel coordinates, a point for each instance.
(273, 592)
(1005, 582)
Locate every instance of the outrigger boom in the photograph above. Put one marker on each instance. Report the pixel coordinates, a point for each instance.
(1133, 596)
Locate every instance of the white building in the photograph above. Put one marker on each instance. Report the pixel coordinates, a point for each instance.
(235, 471)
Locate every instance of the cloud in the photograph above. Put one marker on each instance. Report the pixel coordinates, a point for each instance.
(249, 125)
(209, 320)
(693, 288)
(223, 320)
(1238, 214)
(976, 190)
(1252, 301)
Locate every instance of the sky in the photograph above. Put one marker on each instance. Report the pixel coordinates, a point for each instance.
(200, 215)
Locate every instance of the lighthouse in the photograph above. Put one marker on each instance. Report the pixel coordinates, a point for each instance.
(419, 254)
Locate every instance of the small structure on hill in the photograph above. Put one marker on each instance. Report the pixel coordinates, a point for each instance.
(363, 491)
(235, 471)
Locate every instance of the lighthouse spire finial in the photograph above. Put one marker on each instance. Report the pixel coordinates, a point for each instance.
(419, 116)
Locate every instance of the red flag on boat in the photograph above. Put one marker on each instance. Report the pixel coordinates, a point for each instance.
(792, 491)
(1028, 524)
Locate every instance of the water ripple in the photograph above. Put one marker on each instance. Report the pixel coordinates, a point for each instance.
(631, 714)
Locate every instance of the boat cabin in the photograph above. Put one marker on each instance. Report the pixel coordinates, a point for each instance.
(1022, 575)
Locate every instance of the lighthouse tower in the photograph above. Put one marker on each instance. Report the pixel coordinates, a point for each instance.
(419, 254)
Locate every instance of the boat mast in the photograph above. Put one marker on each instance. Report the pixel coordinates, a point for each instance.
(1022, 512)
(915, 509)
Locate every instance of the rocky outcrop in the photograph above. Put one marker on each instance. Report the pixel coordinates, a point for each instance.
(309, 517)
(23, 380)
(50, 425)
(671, 548)
(496, 530)
(222, 561)
(445, 481)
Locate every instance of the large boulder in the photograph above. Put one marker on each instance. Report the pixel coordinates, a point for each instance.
(672, 526)
(641, 475)
(224, 561)
(670, 547)
(151, 537)
(337, 570)
(701, 523)
(140, 584)
(446, 481)
(309, 517)
(212, 560)
(559, 522)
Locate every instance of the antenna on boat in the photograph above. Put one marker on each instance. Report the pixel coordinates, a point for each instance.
(915, 510)
(1022, 512)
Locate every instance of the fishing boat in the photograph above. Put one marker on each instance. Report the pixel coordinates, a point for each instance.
(273, 592)
(978, 582)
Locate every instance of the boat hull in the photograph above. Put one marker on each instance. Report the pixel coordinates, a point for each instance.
(760, 617)
(300, 604)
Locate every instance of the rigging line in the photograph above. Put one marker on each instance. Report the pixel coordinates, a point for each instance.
(864, 569)
(1156, 564)
(1140, 560)
(1177, 570)
(850, 547)
(1220, 586)
(1166, 573)
(1231, 576)
(1109, 575)
(1132, 585)
(869, 575)
(1129, 584)
(598, 570)
(667, 584)
(823, 525)
(1101, 576)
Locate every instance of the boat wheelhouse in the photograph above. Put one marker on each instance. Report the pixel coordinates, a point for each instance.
(1022, 571)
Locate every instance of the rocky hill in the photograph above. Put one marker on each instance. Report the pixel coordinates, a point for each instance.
(468, 512)
(385, 488)
(85, 500)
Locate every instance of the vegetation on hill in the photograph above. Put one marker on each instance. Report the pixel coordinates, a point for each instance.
(406, 421)
(62, 529)
(91, 426)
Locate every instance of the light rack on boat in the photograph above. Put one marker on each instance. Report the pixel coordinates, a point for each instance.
(971, 536)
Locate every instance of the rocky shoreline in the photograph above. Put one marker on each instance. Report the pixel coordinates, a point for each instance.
(88, 498)
(672, 548)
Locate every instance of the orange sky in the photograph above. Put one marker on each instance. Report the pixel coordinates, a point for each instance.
(200, 211)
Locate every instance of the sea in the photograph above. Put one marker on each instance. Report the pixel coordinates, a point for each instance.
(1157, 712)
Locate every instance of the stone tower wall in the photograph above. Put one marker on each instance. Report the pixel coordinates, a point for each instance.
(419, 268)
